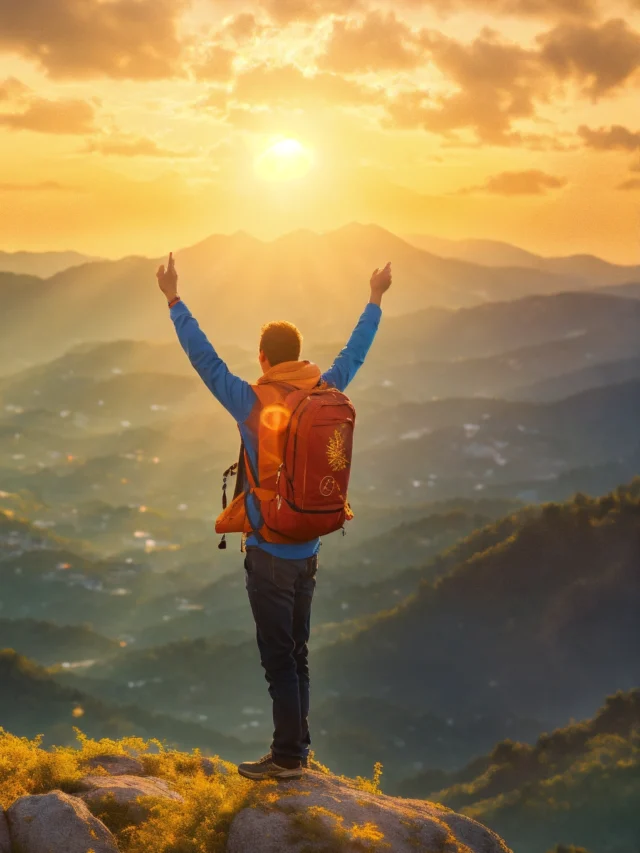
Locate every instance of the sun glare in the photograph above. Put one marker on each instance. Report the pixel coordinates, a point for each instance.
(285, 160)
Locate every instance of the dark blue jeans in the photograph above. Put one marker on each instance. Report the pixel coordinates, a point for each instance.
(280, 593)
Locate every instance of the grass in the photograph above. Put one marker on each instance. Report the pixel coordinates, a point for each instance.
(198, 824)
(320, 830)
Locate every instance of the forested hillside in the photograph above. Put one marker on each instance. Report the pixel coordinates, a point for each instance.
(580, 783)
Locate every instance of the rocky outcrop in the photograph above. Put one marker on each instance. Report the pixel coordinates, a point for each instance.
(328, 812)
(318, 812)
(126, 790)
(213, 766)
(5, 839)
(57, 823)
(117, 765)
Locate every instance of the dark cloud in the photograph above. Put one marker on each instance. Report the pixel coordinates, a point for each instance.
(57, 117)
(614, 138)
(631, 184)
(531, 182)
(376, 42)
(131, 146)
(217, 64)
(552, 10)
(599, 58)
(497, 83)
(286, 11)
(134, 39)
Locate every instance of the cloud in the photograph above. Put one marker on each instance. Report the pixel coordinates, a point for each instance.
(12, 89)
(217, 64)
(376, 42)
(599, 58)
(531, 182)
(131, 146)
(243, 27)
(287, 84)
(631, 184)
(544, 9)
(287, 11)
(266, 93)
(134, 39)
(614, 138)
(497, 82)
(57, 117)
(42, 186)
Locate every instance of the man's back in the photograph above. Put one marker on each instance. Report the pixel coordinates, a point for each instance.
(239, 398)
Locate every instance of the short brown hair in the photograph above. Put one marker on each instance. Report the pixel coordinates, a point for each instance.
(280, 341)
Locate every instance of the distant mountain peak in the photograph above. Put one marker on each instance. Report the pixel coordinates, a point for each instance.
(300, 235)
(358, 233)
(42, 264)
(590, 269)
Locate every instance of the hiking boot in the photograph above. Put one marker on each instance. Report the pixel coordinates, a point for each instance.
(267, 768)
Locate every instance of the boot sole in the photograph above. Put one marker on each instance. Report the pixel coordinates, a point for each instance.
(280, 774)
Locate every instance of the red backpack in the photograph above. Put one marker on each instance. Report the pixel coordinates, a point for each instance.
(305, 442)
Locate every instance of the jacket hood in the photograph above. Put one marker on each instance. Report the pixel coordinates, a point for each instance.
(301, 374)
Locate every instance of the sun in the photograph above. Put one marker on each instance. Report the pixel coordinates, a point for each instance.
(284, 160)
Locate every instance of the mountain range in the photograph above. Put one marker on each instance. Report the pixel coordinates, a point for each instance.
(32, 704)
(493, 253)
(579, 782)
(524, 624)
(319, 281)
(42, 264)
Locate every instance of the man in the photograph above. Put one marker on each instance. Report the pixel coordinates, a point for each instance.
(280, 578)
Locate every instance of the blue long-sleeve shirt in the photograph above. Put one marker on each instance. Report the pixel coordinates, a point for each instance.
(238, 397)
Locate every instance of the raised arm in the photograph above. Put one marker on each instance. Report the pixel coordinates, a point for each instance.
(352, 357)
(233, 393)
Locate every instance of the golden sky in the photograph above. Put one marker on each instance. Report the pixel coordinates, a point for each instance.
(139, 126)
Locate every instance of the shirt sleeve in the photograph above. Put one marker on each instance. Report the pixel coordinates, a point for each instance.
(352, 357)
(236, 395)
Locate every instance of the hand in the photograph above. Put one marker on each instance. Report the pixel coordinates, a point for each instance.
(168, 280)
(380, 283)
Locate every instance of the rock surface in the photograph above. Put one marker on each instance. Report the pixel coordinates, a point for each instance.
(5, 839)
(57, 823)
(126, 790)
(211, 766)
(320, 810)
(117, 765)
